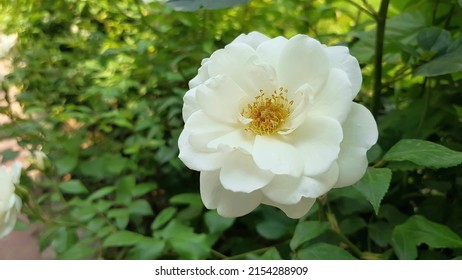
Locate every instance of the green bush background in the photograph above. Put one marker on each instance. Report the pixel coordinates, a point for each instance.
(101, 85)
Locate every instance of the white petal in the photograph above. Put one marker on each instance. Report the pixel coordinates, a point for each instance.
(290, 190)
(271, 153)
(240, 63)
(227, 203)
(240, 174)
(301, 105)
(334, 100)
(294, 211)
(202, 74)
(16, 172)
(209, 135)
(318, 141)
(210, 188)
(204, 129)
(303, 60)
(360, 128)
(220, 98)
(199, 160)
(237, 139)
(8, 221)
(189, 104)
(361, 134)
(253, 39)
(340, 57)
(270, 51)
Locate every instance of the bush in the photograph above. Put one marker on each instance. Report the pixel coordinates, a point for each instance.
(101, 86)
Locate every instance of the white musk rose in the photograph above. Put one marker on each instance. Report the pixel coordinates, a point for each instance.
(10, 203)
(272, 121)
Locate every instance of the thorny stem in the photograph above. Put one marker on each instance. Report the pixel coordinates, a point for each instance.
(379, 40)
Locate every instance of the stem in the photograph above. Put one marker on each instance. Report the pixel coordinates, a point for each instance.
(379, 39)
(426, 96)
(361, 8)
(335, 228)
(218, 254)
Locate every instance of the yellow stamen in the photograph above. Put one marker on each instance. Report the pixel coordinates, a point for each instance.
(268, 114)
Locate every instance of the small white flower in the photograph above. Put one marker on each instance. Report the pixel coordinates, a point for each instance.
(272, 121)
(6, 43)
(10, 203)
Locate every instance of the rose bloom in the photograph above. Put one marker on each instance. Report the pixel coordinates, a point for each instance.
(272, 121)
(10, 203)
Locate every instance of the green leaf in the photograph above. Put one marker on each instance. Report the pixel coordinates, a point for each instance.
(121, 216)
(380, 233)
(352, 225)
(101, 193)
(417, 230)
(93, 168)
(391, 214)
(81, 250)
(305, 231)
(271, 229)
(140, 207)
(442, 65)
(113, 164)
(65, 164)
(216, 223)
(124, 189)
(186, 243)
(72, 187)
(122, 238)
(434, 39)
(194, 5)
(374, 185)
(163, 217)
(194, 202)
(143, 188)
(323, 251)
(270, 254)
(423, 153)
(147, 249)
(446, 63)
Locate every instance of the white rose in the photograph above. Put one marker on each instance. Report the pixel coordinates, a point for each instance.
(10, 203)
(272, 121)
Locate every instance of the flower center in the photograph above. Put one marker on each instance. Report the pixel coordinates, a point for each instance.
(268, 113)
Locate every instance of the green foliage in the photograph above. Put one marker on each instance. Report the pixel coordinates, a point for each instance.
(424, 154)
(417, 230)
(374, 185)
(324, 251)
(101, 85)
